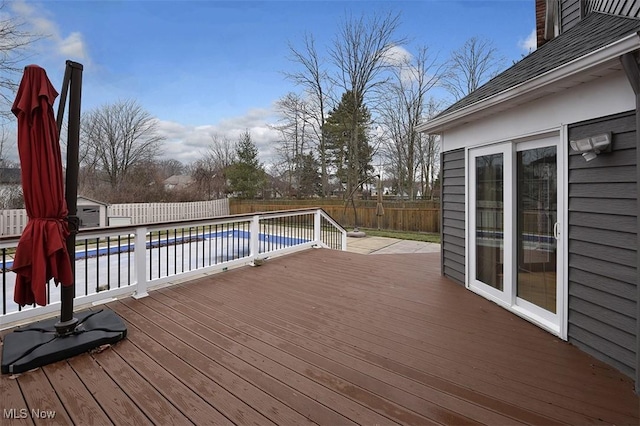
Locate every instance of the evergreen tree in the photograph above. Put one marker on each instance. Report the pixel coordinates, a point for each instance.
(310, 183)
(246, 175)
(352, 161)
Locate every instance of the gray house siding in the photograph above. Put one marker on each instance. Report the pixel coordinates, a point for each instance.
(629, 8)
(453, 215)
(603, 244)
(570, 14)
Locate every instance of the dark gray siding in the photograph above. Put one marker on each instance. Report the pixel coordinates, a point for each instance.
(629, 8)
(570, 14)
(453, 215)
(603, 244)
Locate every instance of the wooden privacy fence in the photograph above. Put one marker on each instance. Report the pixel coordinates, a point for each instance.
(398, 216)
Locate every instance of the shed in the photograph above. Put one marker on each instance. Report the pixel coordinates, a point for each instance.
(92, 213)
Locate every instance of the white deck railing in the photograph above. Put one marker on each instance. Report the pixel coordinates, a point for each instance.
(130, 260)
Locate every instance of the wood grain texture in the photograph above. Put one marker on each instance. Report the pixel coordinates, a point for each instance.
(329, 337)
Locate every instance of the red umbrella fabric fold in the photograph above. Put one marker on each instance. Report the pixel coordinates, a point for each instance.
(42, 252)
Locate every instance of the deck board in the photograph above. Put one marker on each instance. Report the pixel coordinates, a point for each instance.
(356, 384)
(224, 383)
(351, 349)
(230, 406)
(113, 400)
(184, 398)
(11, 398)
(234, 345)
(355, 370)
(81, 407)
(150, 399)
(327, 337)
(40, 396)
(393, 344)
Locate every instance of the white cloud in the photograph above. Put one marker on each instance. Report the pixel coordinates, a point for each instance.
(397, 55)
(188, 143)
(71, 46)
(530, 43)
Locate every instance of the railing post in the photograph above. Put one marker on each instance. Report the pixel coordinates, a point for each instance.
(254, 235)
(344, 241)
(140, 259)
(317, 226)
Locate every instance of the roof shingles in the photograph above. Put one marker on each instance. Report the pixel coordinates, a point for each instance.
(595, 31)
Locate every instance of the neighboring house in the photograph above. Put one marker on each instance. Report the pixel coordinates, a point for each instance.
(528, 222)
(177, 182)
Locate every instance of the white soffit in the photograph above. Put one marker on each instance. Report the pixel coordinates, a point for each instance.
(591, 66)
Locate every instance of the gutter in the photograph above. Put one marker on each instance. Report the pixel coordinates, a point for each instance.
(600, 56)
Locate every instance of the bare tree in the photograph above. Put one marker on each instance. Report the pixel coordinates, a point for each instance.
(361, 52)
(294, 128)
(221, 151)
(14, 41)
(429, 153)
(119, 137)
(170, 167)
(11, 197)
(314, 79)
(11, 190)
(472, 65)
(142, 184)
(4, 142)
(209, 172)
(401, 112)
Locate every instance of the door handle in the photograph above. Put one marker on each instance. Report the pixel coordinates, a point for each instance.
(556, 230)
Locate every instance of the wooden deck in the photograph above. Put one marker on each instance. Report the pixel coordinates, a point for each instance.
(325, 337)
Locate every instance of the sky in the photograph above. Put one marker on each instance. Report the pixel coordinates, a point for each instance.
(216, 68)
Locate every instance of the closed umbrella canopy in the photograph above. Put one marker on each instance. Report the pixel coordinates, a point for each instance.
(42, 252)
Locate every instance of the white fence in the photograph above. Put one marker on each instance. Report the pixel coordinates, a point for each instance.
(12, 222)
(142, 213)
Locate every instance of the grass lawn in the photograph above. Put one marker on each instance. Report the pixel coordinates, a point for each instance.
(404, 235)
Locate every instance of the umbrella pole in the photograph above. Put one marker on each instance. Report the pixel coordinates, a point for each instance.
(72, 79)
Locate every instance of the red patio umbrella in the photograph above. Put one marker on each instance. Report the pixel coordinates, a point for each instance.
(42, 251)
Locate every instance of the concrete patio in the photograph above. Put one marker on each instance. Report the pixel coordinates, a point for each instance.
(385, 245)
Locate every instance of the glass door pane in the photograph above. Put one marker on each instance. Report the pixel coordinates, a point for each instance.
(489, 217)
(536, 218)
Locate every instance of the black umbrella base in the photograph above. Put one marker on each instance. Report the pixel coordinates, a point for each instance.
(38, 344)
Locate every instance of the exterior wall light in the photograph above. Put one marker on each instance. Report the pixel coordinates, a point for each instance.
(592, 146)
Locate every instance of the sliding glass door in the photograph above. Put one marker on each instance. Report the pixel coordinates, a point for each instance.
(513, 227)
(490, 220)
(491, 186)
(537, 246)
